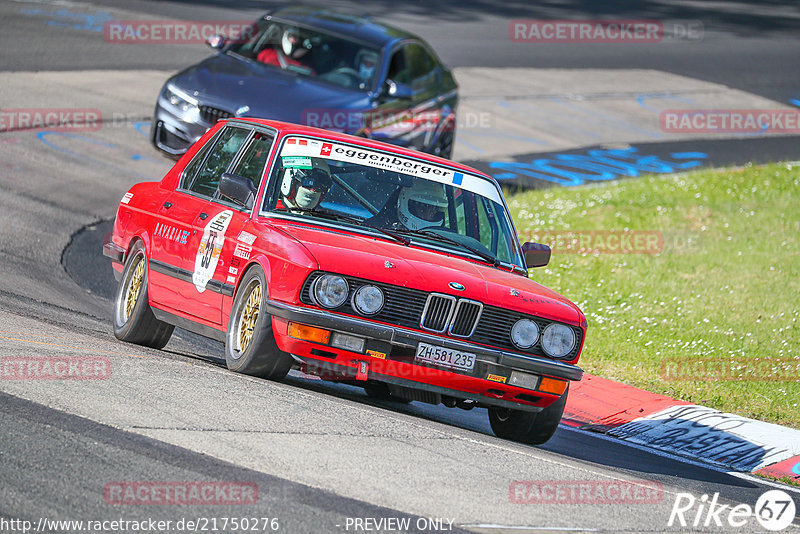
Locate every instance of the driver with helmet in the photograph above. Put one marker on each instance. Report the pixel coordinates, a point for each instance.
(303, 189)
(421, 206)
(290, 52)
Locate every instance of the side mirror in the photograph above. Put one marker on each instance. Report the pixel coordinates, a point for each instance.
(399, 90)
(536, 254)
(216, 41)
(237, 188)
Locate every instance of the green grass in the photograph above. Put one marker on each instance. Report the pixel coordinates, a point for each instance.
(725, 288)
(786, 480)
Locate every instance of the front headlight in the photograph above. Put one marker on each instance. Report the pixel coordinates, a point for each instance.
(524, 333)
(330, 290)
(558, 340)
(179, 99)
(368, 300)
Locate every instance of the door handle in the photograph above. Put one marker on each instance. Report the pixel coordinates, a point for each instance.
(168, 204)
(204, 216)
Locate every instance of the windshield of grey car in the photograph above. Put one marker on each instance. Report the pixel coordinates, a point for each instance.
(311, 53)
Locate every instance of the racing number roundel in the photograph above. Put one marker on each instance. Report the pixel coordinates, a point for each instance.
(205, 263)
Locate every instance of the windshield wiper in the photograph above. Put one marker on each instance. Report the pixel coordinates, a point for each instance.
(358, 222)
(439, 237)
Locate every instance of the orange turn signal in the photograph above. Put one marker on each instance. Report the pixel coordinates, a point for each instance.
(552, 385)
(309, 333)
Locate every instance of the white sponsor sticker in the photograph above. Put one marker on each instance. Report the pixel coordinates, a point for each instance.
(246, 237)
(126, 198)
(297, 146)
(231, 279)
(205, 263)
(233, 270)
(242, 251)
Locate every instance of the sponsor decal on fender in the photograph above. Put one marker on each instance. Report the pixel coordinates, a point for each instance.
(242, 251)
(126, 198)
(205, 262)
(171, 233)
(246, 238)
(496, 378)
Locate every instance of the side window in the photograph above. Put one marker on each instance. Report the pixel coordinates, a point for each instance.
(421, 66)
(218, 160)
(398, 67)
(191, 169)
(251, 165)
(491, 234)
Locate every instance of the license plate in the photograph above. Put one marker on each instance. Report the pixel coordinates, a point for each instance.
(464, 361)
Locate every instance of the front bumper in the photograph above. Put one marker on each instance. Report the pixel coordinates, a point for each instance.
(406, 372)
(173, 131)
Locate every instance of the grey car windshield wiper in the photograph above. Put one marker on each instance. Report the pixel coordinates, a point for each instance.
(358, 222)
(439, 237)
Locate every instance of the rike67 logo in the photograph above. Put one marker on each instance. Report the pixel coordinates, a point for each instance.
(774, 510)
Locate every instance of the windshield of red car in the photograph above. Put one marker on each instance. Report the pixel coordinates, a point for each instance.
(311, 53)
(423, 201)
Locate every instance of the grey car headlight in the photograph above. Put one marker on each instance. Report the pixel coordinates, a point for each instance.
(524, 333)
(368, 300)
(179, 99)
(558, 340)
(330, 290)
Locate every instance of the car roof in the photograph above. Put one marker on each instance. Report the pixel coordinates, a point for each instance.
(286, 128)
(359, 27)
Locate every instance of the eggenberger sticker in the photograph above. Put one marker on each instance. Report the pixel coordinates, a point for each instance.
(205, 263)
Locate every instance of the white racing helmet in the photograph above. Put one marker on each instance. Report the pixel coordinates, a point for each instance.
(422, 205)
(289, 41)
(304, 188)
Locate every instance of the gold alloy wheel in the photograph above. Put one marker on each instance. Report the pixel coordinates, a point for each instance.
(247, 323)
(134, 289)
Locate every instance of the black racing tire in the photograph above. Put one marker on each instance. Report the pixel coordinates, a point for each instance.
(134, 321)
(380, 391)
(527, 427)
(250, 346)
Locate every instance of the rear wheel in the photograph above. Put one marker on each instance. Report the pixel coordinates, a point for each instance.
(134, 321)
(250, 346)
(527, 427)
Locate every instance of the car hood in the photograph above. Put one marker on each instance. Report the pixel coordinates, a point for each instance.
(418, 268)
(230, 83)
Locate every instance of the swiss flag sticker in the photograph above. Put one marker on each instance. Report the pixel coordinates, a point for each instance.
(326, 149)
